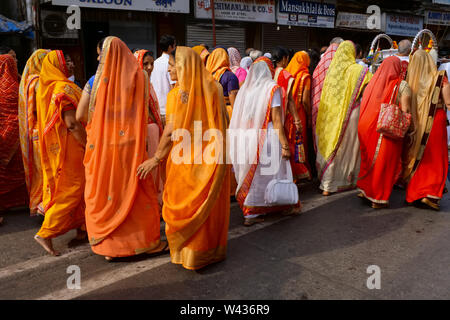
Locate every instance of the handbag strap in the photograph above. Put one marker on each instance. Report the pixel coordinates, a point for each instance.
(393, 93)
(289, 175)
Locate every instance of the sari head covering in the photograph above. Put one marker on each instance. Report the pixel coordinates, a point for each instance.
(122, 215)
(235, 59)
(218, 62)
(29, 137)
(197, 193)
(251, 112)
(422, 78)
(154, 112)
(202, 52)
(318, 78)
(246, 62)
(13, 191)
(342, 87)
(299, 69)
(61, 154)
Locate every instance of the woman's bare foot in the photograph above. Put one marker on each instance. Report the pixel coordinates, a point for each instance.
(108, 258)
(248, 222)
(292, 212)
(47, 244)
(326, 194)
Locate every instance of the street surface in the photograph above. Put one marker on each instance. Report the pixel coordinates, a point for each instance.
(322, 254)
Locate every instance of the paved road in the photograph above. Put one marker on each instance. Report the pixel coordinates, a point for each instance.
(322, 254)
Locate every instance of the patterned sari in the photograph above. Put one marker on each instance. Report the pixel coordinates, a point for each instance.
(61, 153)
(13, 191)
(338, 154)
(298, 68)
(427, 161)
(122, 216)
(196, 197)
(28, 127)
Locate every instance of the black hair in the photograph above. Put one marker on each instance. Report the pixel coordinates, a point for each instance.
(5, 50)
(358, 49)
(173, 53)
(100, 43)
(166, 41)
(314, 57)
(148, 54)
(278, 54)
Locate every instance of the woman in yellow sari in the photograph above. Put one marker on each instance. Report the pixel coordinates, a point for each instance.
(202, 52)
(122, 216)
(196, 196)
(28, 128)
(62, 139)
(338, 154)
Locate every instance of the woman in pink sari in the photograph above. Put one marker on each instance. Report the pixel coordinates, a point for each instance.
(235, 65)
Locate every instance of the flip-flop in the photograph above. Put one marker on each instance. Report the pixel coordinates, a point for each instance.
(163, 251)
(252, 221)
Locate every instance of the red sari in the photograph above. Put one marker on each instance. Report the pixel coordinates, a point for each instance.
(379, 170)
(13, 191)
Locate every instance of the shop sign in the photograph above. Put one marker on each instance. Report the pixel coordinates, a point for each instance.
(176, 6)
(401, 25)
(437, 18)
(304, 13)
(351, 20)
(244, 10)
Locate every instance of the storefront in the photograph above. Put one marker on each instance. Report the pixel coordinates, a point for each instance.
(438, 22)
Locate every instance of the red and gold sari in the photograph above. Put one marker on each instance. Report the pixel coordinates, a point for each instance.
(298, 68)
(28, 127)
(380, 159)
(196, 196)
(122, 217)
(61, 154)
(13, 192)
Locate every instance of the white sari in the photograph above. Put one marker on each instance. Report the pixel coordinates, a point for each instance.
(248, 135)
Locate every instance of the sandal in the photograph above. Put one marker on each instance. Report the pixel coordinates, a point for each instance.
(248, 222)
(361, 195)
(430, 204)
(292, 212)
(379, 205)
(164, 250)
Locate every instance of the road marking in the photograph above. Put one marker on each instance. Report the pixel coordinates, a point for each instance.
(136, 268)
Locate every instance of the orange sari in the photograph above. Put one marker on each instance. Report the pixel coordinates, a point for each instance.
(61, 154)
(298, 68)
(13, 191)
(122, 216)
(29, 136)
(196, 196)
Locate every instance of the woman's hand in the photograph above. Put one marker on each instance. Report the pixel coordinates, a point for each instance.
(285, 153)
(146, 168)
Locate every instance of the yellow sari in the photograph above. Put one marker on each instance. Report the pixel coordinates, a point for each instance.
(196, 196)
(29, 137)
(61, 154)
(338, 157)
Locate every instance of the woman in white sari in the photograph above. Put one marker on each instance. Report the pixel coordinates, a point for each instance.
(259, 154)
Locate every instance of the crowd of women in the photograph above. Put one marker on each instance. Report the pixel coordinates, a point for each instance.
(98, 160)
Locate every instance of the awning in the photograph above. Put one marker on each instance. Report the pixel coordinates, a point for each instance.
(9, 26)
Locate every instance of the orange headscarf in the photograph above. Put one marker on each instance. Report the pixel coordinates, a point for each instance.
(196, 196)
(298, 68)
(154, 114)
(122, 215)
(61, 154)
(202, 52)
(218, 63)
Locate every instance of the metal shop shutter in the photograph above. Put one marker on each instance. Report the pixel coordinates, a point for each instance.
(227, 35)
(296, 38)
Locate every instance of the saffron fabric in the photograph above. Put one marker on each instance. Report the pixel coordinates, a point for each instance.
(13, 192)
(122, 217)
(61, 153)
(197, 195)
(380, 168)
(28, 128)
(299, 69)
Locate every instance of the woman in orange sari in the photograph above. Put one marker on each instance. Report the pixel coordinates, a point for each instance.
(299, 69)
(13, 191)
(155, 126)
(381, 163)
(29, 136)
(62, 139)
(202, 52)
(426, 165)
(196, 197)
(122, 216)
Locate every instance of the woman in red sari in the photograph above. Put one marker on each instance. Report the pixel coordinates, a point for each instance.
(426, 166)
(298, 68)
(13, 191)
(381, 156)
